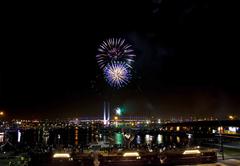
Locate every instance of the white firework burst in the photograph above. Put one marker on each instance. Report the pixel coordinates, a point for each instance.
(115, 49)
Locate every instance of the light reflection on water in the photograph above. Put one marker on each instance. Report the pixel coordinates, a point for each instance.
(138, 139)
(148, 139)
(171, 139)
(119, 139)
(78, 136)
(104, 138)
(159, 139)
(178, 139)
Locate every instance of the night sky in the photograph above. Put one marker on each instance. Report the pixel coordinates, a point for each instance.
(187, 60)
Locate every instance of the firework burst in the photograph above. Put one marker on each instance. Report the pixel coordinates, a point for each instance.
(115, 49)
(117, 74)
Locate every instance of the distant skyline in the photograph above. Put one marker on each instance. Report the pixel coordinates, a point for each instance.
(186, 63)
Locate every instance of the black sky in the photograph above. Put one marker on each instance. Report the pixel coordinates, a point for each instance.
(186, 62)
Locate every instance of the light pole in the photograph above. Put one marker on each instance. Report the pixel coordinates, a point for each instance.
(220, 139)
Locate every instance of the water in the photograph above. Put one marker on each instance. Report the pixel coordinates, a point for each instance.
(76, 136)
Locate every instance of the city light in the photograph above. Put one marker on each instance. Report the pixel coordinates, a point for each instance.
(61, 155)
(1, 137)
(233, 129)
(131, 154)
(191, 152)
(1, 113)
(220, 129)
(116, 118)
(178, 128)
(230, 117)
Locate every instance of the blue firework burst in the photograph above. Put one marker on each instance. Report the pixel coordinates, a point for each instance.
(117, 74)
